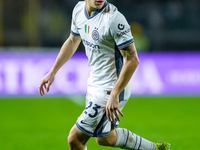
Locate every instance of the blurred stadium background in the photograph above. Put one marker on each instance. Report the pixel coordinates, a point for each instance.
(165, 88)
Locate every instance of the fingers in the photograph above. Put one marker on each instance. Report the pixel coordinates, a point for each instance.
(116, 115)
(108, 114)
(111, 113)
(46, 83)
(41, 87)
(48, 86)
(120, 112)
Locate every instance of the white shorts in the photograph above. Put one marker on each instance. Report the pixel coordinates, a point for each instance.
(93, 120)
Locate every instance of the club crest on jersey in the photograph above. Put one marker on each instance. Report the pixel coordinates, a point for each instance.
(95, 34)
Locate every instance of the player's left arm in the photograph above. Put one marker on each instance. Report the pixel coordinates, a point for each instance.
(129, 53)
(131, 62)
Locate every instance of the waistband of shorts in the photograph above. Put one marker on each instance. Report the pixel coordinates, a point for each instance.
(93, 90)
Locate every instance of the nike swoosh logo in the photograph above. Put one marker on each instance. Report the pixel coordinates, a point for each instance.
(83, 122)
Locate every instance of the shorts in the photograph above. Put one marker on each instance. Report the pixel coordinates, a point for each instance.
(93, 120)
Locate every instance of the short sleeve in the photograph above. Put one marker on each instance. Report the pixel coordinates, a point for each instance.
(120, 31)
(74, 29)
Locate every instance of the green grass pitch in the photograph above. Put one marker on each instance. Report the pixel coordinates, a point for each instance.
(44, 123)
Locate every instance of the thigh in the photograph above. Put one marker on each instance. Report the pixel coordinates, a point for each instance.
(77, 136)
(109, 140)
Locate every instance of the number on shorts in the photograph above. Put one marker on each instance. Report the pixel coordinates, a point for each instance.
(95, 108)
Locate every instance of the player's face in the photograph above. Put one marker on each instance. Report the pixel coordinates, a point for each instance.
(94, 4)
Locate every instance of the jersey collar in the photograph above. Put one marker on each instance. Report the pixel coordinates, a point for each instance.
(96, 12)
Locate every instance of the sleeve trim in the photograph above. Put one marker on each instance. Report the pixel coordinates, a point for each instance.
(75, 34)
(120, 46)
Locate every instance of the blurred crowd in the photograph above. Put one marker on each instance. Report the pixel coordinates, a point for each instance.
(167, 25)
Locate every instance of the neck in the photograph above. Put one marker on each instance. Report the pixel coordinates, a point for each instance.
(92, 6)
(90, 10)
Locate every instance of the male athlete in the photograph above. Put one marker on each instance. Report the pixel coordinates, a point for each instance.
(112, 59)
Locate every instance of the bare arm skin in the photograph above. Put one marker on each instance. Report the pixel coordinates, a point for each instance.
(131, 62)
(67, 50)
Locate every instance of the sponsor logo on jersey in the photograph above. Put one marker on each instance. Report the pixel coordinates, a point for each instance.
(89, 44)
(91, 47)
(120, 26)
(87, 29)
(95, 34)
(123, 32)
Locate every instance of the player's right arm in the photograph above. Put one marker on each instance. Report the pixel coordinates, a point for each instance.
(67, 50)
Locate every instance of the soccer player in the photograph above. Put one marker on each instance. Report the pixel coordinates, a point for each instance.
(112, 59)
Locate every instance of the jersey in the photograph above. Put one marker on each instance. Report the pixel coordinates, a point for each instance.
(103, 34)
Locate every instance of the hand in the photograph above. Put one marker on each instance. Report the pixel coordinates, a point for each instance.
(112, 107)
(48, 79)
